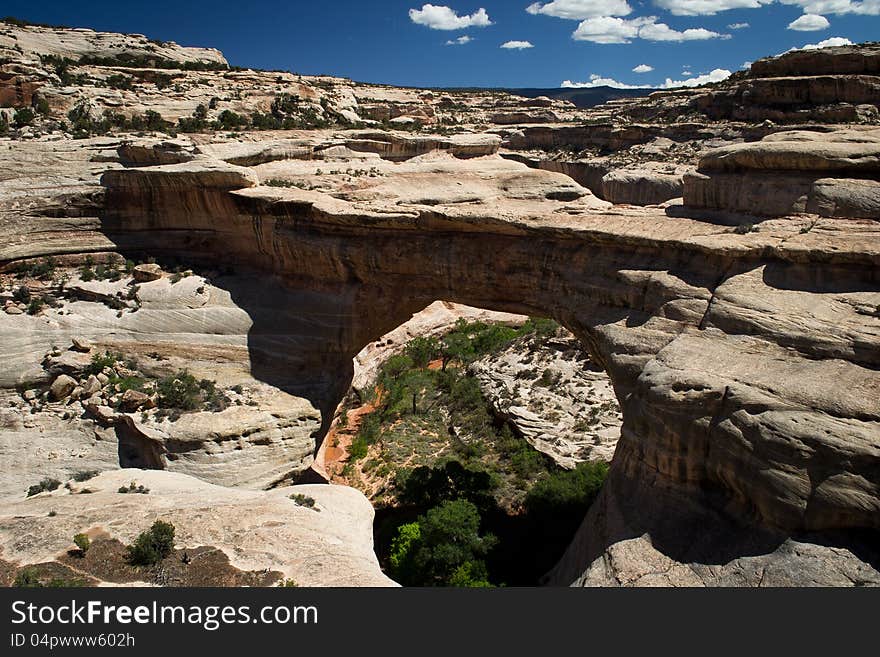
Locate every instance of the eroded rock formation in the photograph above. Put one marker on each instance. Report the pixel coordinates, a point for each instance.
(744, 354)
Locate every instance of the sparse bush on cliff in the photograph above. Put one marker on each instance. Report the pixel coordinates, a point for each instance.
(43, 270)
(198, 122)
(127, 60)
(179, 391)
(23, 117)
(183, 392)
(82, 124)
(229, 120)
(47, 484)
(30, 578)
(21, 294)
(120, 81)
(102, 361)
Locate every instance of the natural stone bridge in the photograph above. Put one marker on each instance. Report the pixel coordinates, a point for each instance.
(745, 361)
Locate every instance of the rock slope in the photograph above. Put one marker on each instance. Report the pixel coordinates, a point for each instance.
(328, 545)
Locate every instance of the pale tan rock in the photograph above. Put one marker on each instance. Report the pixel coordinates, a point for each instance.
(257, 530)
(132, 400)
(146, 273)
(61, 387)
(79, 343)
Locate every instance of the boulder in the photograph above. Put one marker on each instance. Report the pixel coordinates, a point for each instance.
(80, 344)
(61, 387)
(91, 386)
(132, 400)
(147, 273)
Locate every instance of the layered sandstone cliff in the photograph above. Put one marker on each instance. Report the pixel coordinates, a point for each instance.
(743, 350)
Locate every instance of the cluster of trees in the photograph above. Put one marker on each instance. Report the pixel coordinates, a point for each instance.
(444, 547)
(462, 537)
(83, 125)
(453, 523)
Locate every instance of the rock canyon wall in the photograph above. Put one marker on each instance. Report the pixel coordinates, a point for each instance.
(740, 326)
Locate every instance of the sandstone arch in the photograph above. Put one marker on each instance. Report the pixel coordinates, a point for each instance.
(721, 346)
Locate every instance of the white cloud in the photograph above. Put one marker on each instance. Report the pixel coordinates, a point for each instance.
(662, 32)
(835, 7)
(717, 75)
(738, 26)
(827, 43)
(460, 41)
(747, 65)
(440, 17)
(643, 68)
(707, 7)
(598, 81)
(809, 23)
(581, 9)
(517, 45)
(608, 29)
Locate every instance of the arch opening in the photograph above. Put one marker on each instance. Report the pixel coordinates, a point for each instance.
(463, 422)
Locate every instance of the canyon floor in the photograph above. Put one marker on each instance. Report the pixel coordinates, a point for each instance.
(205, 268)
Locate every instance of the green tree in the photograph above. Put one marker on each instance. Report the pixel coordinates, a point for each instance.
(448, 538)
(470, 575)
(401, 557)
(423, 350)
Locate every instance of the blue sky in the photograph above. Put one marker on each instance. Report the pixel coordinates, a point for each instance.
(459, 43)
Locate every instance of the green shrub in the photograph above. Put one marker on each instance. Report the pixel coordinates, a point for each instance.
(85, 475)
(470, 575)
(82, 542)
(229, 120)
(120, 81)
(426, 487)
(102, 361)
(128, 383)
(180, 391)
(22, 294)
(30, 578)
(23, 117)
(47, 484)
(357, 450)
(35, 306)
(43, 270)
(198, 122)
(153, 545)
(304, 500)
(82, 124)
